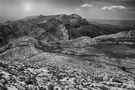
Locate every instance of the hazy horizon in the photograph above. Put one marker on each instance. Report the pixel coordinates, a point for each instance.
(95, 9)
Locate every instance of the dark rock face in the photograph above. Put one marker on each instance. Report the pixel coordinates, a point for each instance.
(55, 30)
(39, 53)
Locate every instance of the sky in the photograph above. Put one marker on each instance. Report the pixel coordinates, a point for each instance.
(95, 9)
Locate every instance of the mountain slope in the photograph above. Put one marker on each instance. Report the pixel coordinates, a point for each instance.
(34, 65)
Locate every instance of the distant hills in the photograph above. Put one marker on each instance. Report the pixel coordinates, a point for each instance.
(119, 23)
(2, 20)
(5, 19)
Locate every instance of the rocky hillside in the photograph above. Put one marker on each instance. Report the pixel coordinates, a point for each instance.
(44, 53)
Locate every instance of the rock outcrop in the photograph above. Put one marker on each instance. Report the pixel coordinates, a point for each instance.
(19, 49)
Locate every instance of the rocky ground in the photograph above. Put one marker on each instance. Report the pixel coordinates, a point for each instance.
(16, 76)
(68, 67)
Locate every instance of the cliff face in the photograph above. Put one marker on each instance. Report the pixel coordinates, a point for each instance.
(55, 52)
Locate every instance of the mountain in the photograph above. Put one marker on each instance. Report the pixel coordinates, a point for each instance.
(60, 52)
(52, 28)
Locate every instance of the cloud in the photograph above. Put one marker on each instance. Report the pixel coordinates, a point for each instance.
(113, 7)
(86, 5)
(77, 9)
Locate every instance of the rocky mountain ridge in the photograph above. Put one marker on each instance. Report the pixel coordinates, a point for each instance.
(55, 27)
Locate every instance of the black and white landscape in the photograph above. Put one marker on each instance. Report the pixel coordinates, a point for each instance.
(67, 45)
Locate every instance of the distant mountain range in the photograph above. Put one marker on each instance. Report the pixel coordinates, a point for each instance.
(120, 23)
(4, 19)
